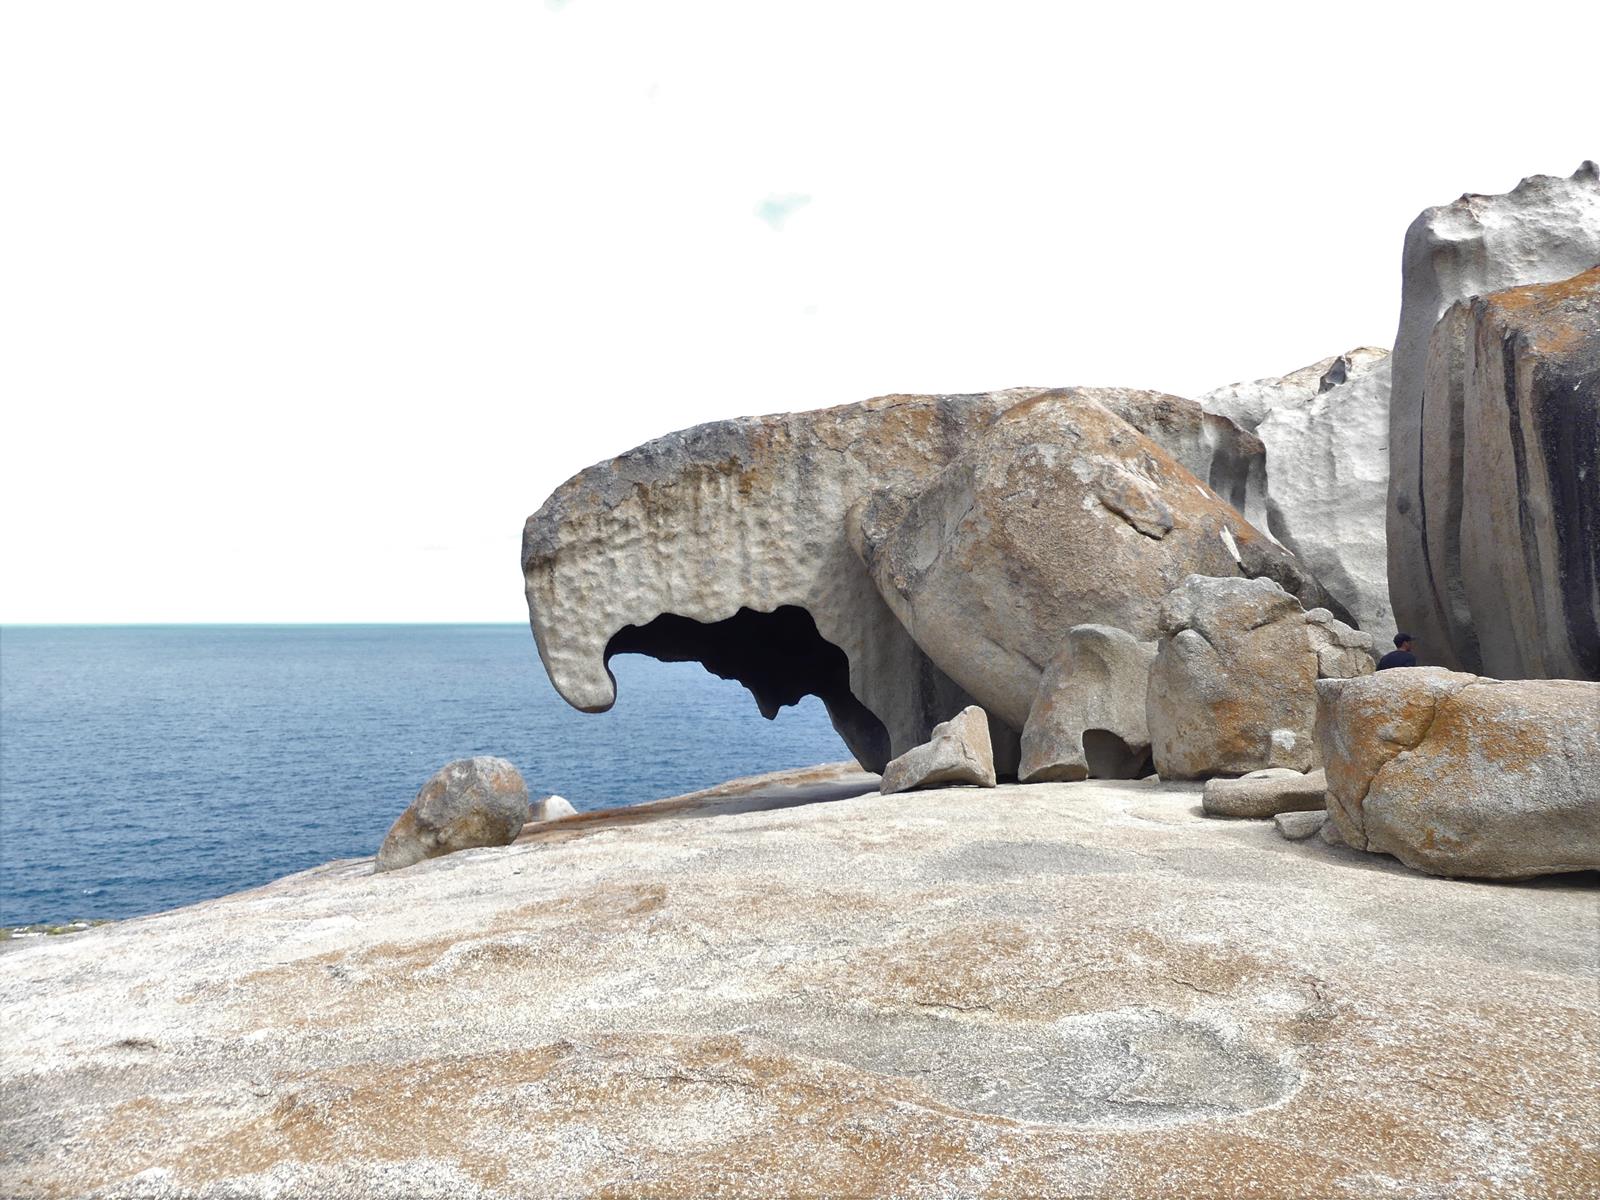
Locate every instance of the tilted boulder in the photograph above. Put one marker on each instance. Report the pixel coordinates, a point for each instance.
(1530, 481)
(1061, 514)
(1325, 432)
(958, 753)
(1232, 689)
(1263, 794)
(1454, 774)
(1545, 230)
(1088, 718)
(469, 802)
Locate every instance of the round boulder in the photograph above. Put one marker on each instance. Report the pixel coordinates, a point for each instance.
(469, 802)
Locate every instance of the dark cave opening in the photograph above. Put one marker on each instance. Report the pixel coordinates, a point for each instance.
(1109, 757)
(779, 656)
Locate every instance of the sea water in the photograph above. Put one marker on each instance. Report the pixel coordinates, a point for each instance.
(146, 767)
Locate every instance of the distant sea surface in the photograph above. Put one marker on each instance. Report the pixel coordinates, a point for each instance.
(146, 767)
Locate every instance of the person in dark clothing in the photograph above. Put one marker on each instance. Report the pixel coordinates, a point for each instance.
(1401, 655)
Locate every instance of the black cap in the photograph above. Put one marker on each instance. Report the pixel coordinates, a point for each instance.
(1401, 639)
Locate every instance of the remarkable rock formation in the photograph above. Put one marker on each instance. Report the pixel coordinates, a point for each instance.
(1325, 432)
(959, 752)
(1545, 230)
(727, 544)
(1088, 718)
(1530, 481)
(1232, 689)
(470, 802)
(1266, 793)
(1061, 514)
(551, 808)
(1457, 775)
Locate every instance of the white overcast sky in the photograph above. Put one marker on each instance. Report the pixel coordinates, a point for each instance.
(305, 306)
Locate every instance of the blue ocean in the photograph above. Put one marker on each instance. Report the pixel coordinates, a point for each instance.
(145, 767)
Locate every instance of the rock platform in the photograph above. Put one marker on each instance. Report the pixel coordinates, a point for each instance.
(793, 985)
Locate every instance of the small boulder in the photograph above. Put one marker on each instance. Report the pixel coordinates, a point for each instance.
(1266, 793)
(1458, 775)
(551, 808)
(1298, 826)
(959, 752)
(1088, 718)
(470, 802)
(1342, 651)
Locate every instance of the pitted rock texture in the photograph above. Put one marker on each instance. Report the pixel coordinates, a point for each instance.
(1088, 718)
(1530, 481)
(1325, 432)
(958, 752)
(1069, 990)
(1264, 794)
(1061, 514)
(725, 544)
(470, 802)
(1457, 775)
(1545, 230)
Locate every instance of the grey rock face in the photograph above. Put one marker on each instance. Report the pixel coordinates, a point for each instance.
(1232, 686)
(1458, 775)
(1298, 826)
(1263, 794)
(1325, 432)
(959, 752)
(1544, 230)
(470, 802)
(1062, 514)
(1088, 718)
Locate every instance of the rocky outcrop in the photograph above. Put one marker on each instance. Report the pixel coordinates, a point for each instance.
(1458, 775)
(726, 544)
(1232, 689)
(1342, 652)
(1545, 230)
(1062, 514)
(1088, 718)
(1263, 794)
(1324, 430)
(1530, 481)
(470, 802)
(958, 752)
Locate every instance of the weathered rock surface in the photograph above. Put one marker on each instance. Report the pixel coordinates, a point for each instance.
(1545, 230)
(551, 808)
(1325, 433)
(1232, 689)
(470, 802)
(725, 544)
(1068, 990)
(1263, 794)
(1298, 826)
(1342, 652)
(1457, 775)
(1088, 718)
(1530, 481)
(1062, 514)
(959, 752)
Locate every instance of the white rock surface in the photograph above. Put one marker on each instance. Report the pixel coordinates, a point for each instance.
(958, 752)
(1545, 229)
(1088, 719)
(1325, 434)
(1068, 990)
(551, 808)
